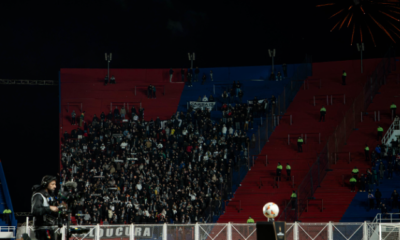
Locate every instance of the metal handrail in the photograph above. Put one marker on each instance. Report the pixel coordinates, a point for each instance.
(378, 218)
(240, 204)
(322, 203)
(261, 183)
(390, 130)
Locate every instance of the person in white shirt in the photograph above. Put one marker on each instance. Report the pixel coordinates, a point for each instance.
(123, 144)
(231, 131)
(184, 132)
(139, 186)
(224, 130)
(205, 99)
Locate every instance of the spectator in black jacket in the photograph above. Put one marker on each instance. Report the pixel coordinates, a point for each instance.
(109, 116)
(204, 78)
(395, 199)
(378, 196)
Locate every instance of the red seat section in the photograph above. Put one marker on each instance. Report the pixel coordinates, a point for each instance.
(84, 88)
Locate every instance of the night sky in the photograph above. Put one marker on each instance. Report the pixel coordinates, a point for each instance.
(39, 38)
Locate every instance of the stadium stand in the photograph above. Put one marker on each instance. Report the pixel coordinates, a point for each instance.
(181, 167)
(309, 167)
(386, 178)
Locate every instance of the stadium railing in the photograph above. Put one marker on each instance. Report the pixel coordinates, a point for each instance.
(275, 111)
(227, 231)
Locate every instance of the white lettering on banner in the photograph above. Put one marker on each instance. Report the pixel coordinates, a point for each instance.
(118, 232)
(259, 101)
(202, 105)
(109, 232)
(138, 232)
(146, 232)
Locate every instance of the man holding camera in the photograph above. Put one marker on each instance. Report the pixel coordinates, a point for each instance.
(45, 214)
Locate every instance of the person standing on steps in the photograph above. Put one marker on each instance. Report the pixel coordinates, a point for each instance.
(380, 133)
(322, 114)
(288, 171)
(240, 96)
(293, 198)
(393, 108)
(366, 151)
(353, 182)
(344, 75)
(278, 170)
(238, 88)
(279, 76)
(378, 196)
(395, 199)
(363, 182)
(284, 69)
(189, 79)
(154, 92)
(300, 144)
(73, 117)
(81, 119)
(203, 79)
(371, 200)
(112, 80)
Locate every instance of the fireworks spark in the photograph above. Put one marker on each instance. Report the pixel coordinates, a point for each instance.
(366, 15)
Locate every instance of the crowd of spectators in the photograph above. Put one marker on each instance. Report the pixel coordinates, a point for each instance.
(175, 171)
(385, 162)
(133, 171)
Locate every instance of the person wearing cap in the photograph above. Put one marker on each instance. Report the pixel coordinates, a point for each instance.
(322, 113)
(278, 170)
(293, 198)
(300, 144)
(43, 208)
(288, 170)
(353, 182)
(393, 108)
(250, 220)
(366, 151)
(380, 132)
(344, 75)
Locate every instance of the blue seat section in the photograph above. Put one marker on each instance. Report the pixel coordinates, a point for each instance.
(255, 83)
(5, 200)
(359, 211)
